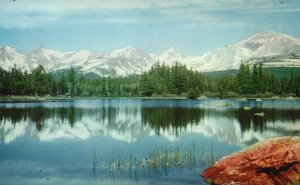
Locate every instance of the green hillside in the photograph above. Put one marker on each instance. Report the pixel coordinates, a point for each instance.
(278, 72)
(281, 72)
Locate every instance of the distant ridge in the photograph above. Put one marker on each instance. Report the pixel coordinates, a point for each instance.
(271, 48)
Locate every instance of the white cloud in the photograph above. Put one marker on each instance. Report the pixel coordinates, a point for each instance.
(67, 6)
(33, 13)
(275, 10)
(26, 21)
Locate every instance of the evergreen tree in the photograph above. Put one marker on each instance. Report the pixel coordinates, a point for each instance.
(262, 81)
(54, 87)
(297, 84)
(244, 80)
(28, 85)
(291, 86)
(72, 81)
(62, 85)
(146, 85)
(223, 86)
(15, 81)
(103, 88)
(110, 87)
(4, 79)
(255, 80)
(175, 80)
(41, 81)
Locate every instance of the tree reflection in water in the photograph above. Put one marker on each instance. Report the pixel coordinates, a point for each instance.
(159, 119)
(177, 118)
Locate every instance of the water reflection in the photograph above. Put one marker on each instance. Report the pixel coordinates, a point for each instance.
(38, 116)
(161, 119)
(133, 120)
(248, 120)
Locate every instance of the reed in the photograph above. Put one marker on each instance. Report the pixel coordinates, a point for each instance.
(163, 160)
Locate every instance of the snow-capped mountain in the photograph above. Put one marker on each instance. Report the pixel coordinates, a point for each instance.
(273, 49)
(170, 56)
(128, 61)
(263, 44)
(10, 57)
(120, 62)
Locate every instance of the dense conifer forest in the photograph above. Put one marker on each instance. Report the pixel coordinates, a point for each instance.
(159, 81)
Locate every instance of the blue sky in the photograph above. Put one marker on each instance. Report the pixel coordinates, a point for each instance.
(193, 26)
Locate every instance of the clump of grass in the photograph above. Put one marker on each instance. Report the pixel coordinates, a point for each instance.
(163, 160)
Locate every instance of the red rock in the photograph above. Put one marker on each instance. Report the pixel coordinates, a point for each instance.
(270, 162)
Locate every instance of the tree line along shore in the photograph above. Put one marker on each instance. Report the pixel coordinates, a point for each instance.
(160, 81)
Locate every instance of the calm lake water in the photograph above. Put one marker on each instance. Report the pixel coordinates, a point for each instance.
(131, 141)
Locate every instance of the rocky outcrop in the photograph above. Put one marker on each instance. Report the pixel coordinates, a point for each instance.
(270, 162)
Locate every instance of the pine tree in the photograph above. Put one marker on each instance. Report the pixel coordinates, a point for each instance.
(4, 82)
(103, 88)
(146, 85)
(54, 87)
(28, 85)
(62, 85)
(291, 85)
(15, 81)
(262, 81)
(255, 80)
(223, 86)
(72, 81)
(41, 81)
(297, 85)
(110, 87)
(244, 80)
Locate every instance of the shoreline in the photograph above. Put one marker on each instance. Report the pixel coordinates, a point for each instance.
(58, 98)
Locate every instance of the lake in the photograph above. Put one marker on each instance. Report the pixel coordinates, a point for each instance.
(131, 141)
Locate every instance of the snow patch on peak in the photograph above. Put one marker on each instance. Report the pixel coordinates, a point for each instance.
(126, 49)
(269, 36)
(170, 56)
(82, 53)
(263, 44)
(128, 52)
(8, 49)
(271, 43)
(173, 50)
(48, 53)
(10, 57)
(129, 48)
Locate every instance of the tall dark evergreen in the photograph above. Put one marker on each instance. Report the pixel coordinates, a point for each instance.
(41, 81)
(72, 81)
(244, 80)
(103, 88)
(62, 85)
(146, 85)
(54, 87)
(261, 76)
(297, 84)
(255, 80)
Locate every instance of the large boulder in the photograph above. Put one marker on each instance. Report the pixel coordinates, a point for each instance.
(270, 162)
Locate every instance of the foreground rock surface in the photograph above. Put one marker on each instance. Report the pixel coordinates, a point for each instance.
(270, 162)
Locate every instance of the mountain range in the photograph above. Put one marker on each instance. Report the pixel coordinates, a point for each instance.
(270, 48)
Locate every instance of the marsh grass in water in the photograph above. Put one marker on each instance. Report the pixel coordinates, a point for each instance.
(163, 161)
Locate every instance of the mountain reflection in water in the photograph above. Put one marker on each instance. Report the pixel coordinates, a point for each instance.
(131, 120)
